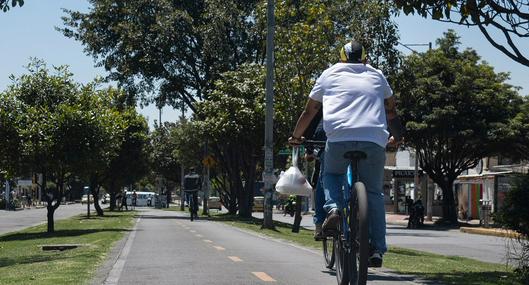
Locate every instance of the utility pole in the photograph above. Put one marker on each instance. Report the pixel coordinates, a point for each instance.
(182, 172)
(268, 175)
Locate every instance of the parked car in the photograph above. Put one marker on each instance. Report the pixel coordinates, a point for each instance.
(106, 199)
(214, 203)
(258, 204)
(84, 199)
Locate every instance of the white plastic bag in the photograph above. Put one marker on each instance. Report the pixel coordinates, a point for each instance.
(292, 181)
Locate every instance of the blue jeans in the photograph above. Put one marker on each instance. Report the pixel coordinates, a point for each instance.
(371, 171)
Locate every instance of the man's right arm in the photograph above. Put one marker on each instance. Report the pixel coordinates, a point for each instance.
(395, 126)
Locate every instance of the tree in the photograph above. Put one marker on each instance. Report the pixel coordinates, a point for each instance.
(50, 128)
(4, 4)
(510, 18)
(174, 48)
(101, 134)
(10, 143)
(132, 161)
(514, 215)
(519, 127)
(234, 122)
(457, 110)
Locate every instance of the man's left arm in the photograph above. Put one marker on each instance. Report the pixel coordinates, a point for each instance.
(311, 109)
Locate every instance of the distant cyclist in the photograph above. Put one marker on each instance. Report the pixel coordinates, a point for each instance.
(358, 106)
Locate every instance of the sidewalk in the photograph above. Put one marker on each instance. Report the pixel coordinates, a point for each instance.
(470, 227)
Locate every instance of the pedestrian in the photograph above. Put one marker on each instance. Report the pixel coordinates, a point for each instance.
(134, 198)
(124, 201)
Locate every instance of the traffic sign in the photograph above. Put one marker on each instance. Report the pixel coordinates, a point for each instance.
(209, 161)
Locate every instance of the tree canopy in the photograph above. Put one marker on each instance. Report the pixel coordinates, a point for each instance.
(5, 5)
(457, 111)
(509, 18)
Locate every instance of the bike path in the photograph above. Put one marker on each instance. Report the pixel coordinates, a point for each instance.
(167, 248)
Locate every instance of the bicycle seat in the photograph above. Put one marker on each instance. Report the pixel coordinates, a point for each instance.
(355, 155)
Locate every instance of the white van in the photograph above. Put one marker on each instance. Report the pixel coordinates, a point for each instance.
(143, 199)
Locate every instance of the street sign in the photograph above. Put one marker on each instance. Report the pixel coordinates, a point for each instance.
(209, 161)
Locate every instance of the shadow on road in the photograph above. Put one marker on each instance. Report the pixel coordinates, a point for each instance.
(58, 233)
(415, 234)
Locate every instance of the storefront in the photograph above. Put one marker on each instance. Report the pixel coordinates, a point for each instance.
(472, 191)
(399, 187)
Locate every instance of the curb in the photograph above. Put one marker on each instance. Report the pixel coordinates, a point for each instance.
(490, 232)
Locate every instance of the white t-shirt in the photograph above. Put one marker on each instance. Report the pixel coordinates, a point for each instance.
(353, 96)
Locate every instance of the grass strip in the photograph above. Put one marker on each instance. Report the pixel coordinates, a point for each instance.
(447, 269)
(22, 260)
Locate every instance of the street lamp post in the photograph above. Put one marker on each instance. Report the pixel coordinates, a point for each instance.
(269, 121)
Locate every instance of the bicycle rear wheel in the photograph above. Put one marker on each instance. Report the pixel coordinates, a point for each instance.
(328, 251)
(359, 234)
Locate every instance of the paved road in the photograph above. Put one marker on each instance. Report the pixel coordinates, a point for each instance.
(17, 220)
(446, 242)
(166, 248)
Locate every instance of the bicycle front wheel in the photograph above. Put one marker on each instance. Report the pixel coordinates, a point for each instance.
(359, 226)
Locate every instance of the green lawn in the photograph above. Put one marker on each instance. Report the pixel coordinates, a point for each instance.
(22, 260)
(448, 269)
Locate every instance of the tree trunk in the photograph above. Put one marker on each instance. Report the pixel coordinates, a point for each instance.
(94, 189)
(112, 201)
(99, 211)
(51, 222)
(449, 206)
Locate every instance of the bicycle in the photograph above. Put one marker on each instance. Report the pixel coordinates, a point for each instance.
(351, 240)
(327, 242)
(193, 205)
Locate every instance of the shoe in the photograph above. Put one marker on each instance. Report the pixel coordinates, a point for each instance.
(375, 260)
(330, 225)
(318, 235)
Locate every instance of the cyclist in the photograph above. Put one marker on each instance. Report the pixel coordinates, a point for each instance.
(315, 132)
(191, 188)
(358, 106)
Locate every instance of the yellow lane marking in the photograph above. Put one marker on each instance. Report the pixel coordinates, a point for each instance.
(235, 258)
(264, 277)
(219, 247)
(207, 240)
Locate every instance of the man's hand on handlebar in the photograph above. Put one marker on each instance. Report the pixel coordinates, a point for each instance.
(293, 141)
(393, 143)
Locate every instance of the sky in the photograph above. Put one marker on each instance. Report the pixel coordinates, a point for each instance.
(30, 32)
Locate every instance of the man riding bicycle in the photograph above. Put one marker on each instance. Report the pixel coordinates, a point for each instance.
(358, 106)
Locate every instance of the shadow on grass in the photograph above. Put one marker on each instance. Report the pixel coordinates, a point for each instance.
(58, 233)
(471, 278)
(156, 217)
(6, 261)
(251, 221)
